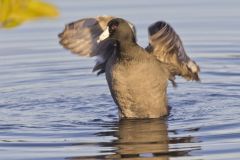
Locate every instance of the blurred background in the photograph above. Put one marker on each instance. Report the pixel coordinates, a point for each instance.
(53, 107)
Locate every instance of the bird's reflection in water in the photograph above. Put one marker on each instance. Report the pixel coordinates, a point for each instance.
(142, 139)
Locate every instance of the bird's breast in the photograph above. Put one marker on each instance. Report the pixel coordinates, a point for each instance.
(138, 88)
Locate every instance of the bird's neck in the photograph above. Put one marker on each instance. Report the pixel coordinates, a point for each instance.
(131, 51)
(128, 48)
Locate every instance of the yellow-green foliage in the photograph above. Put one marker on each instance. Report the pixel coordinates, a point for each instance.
(15, 12)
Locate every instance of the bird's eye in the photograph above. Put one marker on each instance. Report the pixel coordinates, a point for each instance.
(113, 25)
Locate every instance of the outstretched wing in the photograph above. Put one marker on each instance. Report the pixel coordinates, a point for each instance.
(81, 36)
(167, 46)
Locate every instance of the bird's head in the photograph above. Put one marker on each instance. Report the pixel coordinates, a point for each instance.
(120, 30)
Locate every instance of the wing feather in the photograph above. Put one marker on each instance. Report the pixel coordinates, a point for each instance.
(81, 36)
(167, 46)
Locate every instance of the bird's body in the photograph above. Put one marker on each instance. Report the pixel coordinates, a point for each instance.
(138, 85)
(137, 77)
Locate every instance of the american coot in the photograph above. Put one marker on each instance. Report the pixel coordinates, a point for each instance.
(137, 77)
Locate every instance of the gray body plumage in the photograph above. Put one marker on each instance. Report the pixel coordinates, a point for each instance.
(138, 85)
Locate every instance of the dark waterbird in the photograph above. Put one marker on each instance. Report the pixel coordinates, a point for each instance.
(137, 77)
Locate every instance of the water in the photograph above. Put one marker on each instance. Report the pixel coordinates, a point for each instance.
(52, 107)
